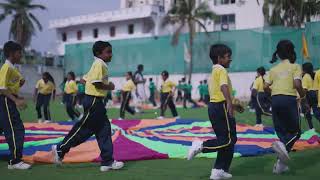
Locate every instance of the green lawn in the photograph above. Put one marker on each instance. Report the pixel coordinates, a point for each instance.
(304, 165)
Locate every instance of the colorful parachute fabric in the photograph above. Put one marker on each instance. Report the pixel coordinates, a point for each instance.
(148, 139)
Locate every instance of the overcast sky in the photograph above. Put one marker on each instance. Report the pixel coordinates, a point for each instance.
(45, 40)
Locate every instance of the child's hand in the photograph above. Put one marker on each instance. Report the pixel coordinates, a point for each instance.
(22, 81)
(111, 85)
(21, 104)
(238, 108)
(230, 109)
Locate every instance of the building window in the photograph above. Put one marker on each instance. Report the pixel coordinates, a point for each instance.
(95, 33)
(79, 35)
(64, 37)
(224, 2)
(130, 29)
(225, 22)
(112, 31)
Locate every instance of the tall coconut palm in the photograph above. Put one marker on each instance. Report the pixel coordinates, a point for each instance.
(186, 13)
(291, 13)
(22, 25)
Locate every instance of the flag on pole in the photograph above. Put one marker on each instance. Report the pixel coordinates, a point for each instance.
(305, 51)
(187, 56)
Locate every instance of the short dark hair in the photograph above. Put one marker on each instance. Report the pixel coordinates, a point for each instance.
(205, 81)
(285, 50)
(219, 50)
(150, 79)
(73, 76)
(165, 73)
(200, 82)
(130, 73)
(99, 46)
(261, 70)
(49, 76)
(11, 47)
(140, 66)
(308, 68)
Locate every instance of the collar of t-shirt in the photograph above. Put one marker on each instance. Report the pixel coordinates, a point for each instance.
(100, 60)
(217, 66)
(10, 63)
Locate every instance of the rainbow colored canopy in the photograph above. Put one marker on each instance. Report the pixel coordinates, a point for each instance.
(147, 139)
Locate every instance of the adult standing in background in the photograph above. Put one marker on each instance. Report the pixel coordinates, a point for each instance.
(140, 81)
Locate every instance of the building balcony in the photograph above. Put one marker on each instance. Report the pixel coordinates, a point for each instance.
(108, 16)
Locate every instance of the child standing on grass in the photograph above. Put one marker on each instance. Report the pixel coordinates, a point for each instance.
(94, 121)
(152, 90)
(45, 89)
(221, 115)
(80, 94)
(260, 97)
(10, 122)
(167, 91)
(200, 90)
(71, 90)
(179, 92)
(127, 88)
(310, 102)
(206, 95)
(188, 95)
(285, 79)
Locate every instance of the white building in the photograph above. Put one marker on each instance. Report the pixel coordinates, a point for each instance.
(142, 18)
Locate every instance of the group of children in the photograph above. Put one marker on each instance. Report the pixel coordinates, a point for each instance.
(284, 83)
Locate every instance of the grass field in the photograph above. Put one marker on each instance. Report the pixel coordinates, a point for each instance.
(304, 165)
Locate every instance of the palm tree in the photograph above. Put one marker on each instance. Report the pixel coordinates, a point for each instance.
(22, 25)
(291, 13)
(188, 13)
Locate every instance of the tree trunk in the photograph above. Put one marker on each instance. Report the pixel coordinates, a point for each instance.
(191, 31)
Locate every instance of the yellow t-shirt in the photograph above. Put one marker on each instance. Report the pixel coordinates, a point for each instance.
(219, 77)
(128, 86)
(71, 87)
(307, 82)
(10, 78)
(282, 77)
(167, 86)
(45, 88)
(258, 84)
(97, 73)
(316, 82)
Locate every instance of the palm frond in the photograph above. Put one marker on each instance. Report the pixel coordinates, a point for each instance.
(34, 19)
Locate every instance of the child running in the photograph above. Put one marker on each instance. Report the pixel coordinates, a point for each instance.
(260, 97)
(221, 115)
(71, 90)
(10, 122)
(95, 121)
(285, 79)
(167, 91)
(127, 88)
(45, 89)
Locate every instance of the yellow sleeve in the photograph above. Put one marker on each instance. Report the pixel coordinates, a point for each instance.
(4, 78)
(268, 78)
(133, 86)
(223, 79)
(297, 73)
(96, 74)
(38, 84)
(172, 84)
(316, 80)
(306, 84)
(255, 84)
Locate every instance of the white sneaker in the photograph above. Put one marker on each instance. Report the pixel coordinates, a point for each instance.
(281, 151)
(47, 122)
(259, 125)
(40, 121)
(21, 166)
(195, 149)
(120, 118)
(80, 117)
(56, 158)
(313, 130)
(217, 174)
(114, 166)
(160, 117)
(280, 167)
(177, 117)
